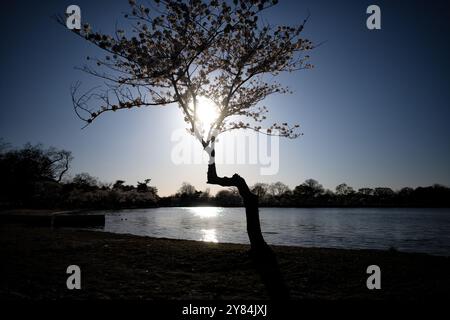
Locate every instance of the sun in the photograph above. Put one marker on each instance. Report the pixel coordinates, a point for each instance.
(207, 112)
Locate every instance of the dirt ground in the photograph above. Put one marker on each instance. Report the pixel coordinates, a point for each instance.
(34, 262)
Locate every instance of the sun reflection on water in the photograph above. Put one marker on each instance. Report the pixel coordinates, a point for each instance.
(209, 235)
(206, 212)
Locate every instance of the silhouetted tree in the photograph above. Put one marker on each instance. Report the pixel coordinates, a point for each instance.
(260, 189)
(205, 196)
(433, 196)
(25, 170)
(228, 198)
(85, 181)
(187, 195)
(143, 186)
(344, 190)
(182, 51)
(187, 189)
(308, 192)
(60, 162)
(278, 189)
(405, 192)
(118, 184)
(366, 191)
(383, 192)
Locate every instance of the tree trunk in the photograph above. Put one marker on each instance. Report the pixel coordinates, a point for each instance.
(262, 255)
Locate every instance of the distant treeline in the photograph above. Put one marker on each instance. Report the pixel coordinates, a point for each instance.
(312, 194)
(35, 177)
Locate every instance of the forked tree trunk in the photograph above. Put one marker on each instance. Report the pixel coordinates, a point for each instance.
(262, 255)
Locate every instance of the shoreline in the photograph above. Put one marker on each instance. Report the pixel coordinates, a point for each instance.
(123, 266)
(94, 220)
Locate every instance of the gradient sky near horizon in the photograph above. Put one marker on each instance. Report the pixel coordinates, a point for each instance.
(374, 111)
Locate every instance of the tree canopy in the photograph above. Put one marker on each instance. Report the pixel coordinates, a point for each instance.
(180, 51)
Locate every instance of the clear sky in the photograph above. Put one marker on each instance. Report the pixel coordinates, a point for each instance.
(375, 110)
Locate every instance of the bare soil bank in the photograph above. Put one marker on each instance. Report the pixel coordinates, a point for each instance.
(34, 262)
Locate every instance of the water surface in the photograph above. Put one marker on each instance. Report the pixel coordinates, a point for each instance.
(413, 230)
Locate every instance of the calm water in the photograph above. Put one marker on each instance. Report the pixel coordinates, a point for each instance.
(415, 230)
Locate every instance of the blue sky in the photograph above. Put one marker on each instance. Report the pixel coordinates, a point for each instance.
(374, 111)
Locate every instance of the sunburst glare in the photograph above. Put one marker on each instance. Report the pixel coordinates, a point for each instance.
(207, 112)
